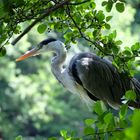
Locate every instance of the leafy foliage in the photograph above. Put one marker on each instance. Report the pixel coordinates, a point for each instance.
(110, 126)
(75, 20)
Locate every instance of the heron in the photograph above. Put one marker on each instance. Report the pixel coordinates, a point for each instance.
(92, 77)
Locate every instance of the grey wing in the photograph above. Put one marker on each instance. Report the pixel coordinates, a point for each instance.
(101, 79)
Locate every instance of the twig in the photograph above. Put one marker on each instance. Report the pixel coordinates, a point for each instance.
(97, 45)
(89, 40)
(101, 133)
(83, 36)
(50, 10)
(79, 3)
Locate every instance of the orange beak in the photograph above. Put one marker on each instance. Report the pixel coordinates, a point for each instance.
(30, 53)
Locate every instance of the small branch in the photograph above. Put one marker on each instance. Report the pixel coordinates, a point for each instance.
(101, 133)
(47, 12)
(95, 43)
(82, 35)
(79, 3)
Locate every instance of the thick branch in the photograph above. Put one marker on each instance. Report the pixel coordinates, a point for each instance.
(47, 12)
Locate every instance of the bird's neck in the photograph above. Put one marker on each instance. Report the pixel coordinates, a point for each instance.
(58, 62)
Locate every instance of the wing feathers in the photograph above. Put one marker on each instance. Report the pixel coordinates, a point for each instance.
(101, 79)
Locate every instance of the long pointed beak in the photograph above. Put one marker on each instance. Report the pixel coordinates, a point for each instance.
(30, 53)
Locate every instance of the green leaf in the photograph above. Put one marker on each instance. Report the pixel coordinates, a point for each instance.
(17, 30)
(108, 118)
(108, 18)
(123, 111)
(130, 95)
(2, 10)
(112, 35)
(63, 133)
(41, 28)
(123, 123)
(68, 35)
(115, 64)
(127, 52)
(89, 121)
(118, 42)
(135, 47)
(136, 121)
(115, 49)
(109, 6)
(120, 7)
(18, 138)
(100, 16)
(95, 33)
(104, 3)
(88, 130)
(93, 5)
(107, 26)
(2, 51)
(98, 108)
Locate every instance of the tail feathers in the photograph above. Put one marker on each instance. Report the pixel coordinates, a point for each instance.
(134, 104)
(136, 87)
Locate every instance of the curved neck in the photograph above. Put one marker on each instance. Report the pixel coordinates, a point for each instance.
(58, 61)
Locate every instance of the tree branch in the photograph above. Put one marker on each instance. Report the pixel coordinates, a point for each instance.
(82, 35)
(101, 133)
(95, 43)
(79, 3)
(47, 12)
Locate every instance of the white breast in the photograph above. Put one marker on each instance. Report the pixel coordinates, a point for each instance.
(74, 87)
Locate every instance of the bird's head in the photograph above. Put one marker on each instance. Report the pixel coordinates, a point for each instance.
(50, 44)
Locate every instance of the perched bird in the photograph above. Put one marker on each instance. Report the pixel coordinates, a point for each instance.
(87, 74)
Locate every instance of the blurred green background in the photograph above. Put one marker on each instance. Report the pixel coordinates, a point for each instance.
(32, 102)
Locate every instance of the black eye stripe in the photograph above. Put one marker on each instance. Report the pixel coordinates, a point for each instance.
(46, 41)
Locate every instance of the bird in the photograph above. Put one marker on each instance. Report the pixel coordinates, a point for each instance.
(90, 76)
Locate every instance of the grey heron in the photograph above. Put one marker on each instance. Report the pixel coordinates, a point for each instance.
(87, 74)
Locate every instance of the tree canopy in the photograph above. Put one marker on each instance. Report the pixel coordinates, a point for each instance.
(74, 19)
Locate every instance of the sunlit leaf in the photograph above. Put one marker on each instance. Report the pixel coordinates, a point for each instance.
(135, 120)
(98, 108)
(41, 28)
(120, 7)
(93, 5)
(119, 42)
(100, 16)
(19, 138)
(135, 47)
(123, 111)
(63, 133)
(130, 95)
